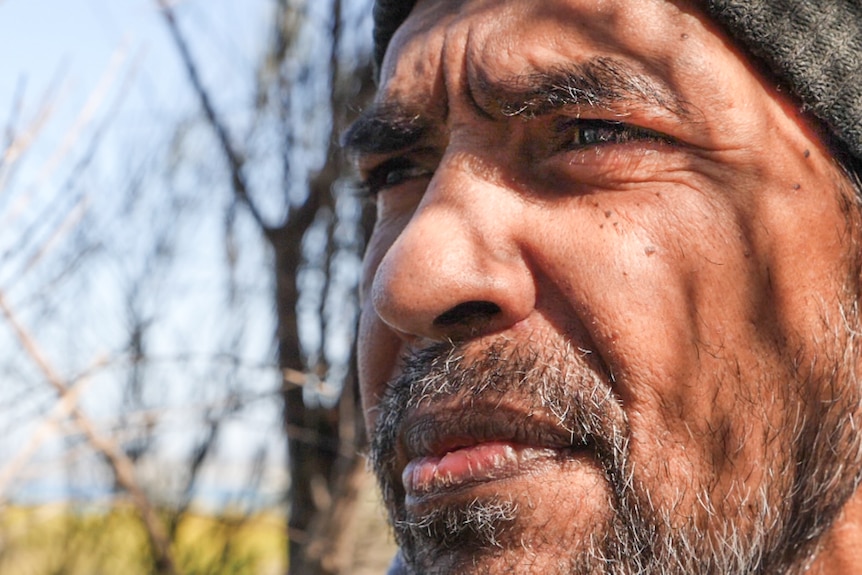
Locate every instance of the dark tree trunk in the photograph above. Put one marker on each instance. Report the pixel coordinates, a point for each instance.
(327, 472)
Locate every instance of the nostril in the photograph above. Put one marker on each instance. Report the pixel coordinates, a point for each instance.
(467, 313)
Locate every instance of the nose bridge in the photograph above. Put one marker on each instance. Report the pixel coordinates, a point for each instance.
(457, 267)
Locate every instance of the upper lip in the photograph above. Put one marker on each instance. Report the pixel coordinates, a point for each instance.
(436, 431)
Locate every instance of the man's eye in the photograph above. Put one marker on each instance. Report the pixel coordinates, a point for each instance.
(392, 173)
(578, 134)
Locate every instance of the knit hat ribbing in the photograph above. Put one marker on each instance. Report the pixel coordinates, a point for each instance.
(814, 48)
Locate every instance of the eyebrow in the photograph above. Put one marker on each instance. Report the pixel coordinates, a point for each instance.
(596, 83)
(385, 128)
(388, 127)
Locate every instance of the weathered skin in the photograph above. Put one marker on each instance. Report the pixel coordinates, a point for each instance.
(699, 270)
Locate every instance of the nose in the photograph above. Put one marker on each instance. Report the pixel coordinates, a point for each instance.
(457, 269)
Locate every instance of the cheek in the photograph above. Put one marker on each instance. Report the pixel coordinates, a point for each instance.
(378, 352)
(661, 281)
(812, 245)
(378, 347)
(676, 302)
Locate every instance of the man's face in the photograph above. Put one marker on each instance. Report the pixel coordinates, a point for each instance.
(607, 297)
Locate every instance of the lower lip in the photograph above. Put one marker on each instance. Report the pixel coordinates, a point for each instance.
(475, 464)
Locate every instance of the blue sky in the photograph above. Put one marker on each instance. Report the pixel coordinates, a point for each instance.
(75, 43)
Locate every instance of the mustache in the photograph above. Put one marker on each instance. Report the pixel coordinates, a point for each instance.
(546, 393)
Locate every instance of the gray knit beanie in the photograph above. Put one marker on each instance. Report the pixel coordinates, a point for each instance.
(813, 48)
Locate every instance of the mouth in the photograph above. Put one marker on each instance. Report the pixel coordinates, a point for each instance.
(453, 451)
(480, 463)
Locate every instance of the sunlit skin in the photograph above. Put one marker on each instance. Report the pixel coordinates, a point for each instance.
(689, 237)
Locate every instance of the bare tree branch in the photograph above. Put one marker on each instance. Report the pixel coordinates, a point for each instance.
(120, 464)
(68, 401)
(234, 160)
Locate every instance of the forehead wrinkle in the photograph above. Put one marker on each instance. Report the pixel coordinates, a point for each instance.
(466, 84)
(402, 116)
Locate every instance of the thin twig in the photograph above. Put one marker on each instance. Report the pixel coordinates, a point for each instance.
(86, 116)
(17, 106)
(19, 142)
(71, 221)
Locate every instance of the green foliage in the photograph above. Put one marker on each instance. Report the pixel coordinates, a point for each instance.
(61, 540)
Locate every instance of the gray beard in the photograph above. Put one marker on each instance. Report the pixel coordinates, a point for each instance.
(797, 501)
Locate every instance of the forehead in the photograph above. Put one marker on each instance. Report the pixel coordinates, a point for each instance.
(446, 44)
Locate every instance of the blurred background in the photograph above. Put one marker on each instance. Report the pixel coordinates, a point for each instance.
(180, 242)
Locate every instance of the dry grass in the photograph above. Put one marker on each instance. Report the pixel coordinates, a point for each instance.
(62, 540)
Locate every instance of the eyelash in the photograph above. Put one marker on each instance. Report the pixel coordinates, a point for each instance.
(572, 134)
(576, 134)
(391, 173)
